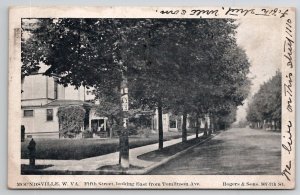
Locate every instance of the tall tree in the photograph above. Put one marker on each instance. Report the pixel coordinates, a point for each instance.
(88, 52)
(265, 106)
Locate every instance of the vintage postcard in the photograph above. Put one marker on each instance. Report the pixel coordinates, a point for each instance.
(151, 98)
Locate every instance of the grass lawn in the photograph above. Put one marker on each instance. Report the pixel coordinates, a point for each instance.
(76, 149)
(159, 155)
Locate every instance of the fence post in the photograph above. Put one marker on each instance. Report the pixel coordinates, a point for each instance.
(32, 149)
(22, 133)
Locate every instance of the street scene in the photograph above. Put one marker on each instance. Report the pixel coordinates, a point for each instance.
(113, 96)
(254, 152)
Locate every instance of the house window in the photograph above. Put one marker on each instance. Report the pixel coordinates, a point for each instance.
(49, 114)
(90, 92)
(173, 124)
(28, 113)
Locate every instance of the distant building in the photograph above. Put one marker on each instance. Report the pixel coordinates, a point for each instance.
(173, 122)
(170, 123)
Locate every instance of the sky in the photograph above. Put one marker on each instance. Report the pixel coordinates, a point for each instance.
(261, 40)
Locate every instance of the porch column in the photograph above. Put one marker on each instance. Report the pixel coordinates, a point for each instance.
(104, 125)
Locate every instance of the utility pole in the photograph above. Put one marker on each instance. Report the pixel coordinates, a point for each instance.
(124, 143)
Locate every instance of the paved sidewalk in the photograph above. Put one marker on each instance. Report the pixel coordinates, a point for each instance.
(93, 163)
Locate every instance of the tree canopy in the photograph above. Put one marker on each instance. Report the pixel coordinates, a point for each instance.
(187, 66)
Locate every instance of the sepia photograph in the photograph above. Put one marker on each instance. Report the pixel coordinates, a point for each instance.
(186, 93)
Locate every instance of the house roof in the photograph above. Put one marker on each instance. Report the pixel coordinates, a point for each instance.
(66, 102)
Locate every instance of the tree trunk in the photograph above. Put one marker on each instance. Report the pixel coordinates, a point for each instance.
(197, 126)
(211, 125)
(124, 149)
(110, 132)
(184, 131)
(160, 128)
(205, 129)
(124, 142)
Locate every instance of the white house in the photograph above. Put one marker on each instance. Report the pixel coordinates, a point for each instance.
(40, 99)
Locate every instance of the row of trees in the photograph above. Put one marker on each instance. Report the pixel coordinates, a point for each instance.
(186, 66)
(264, 110)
